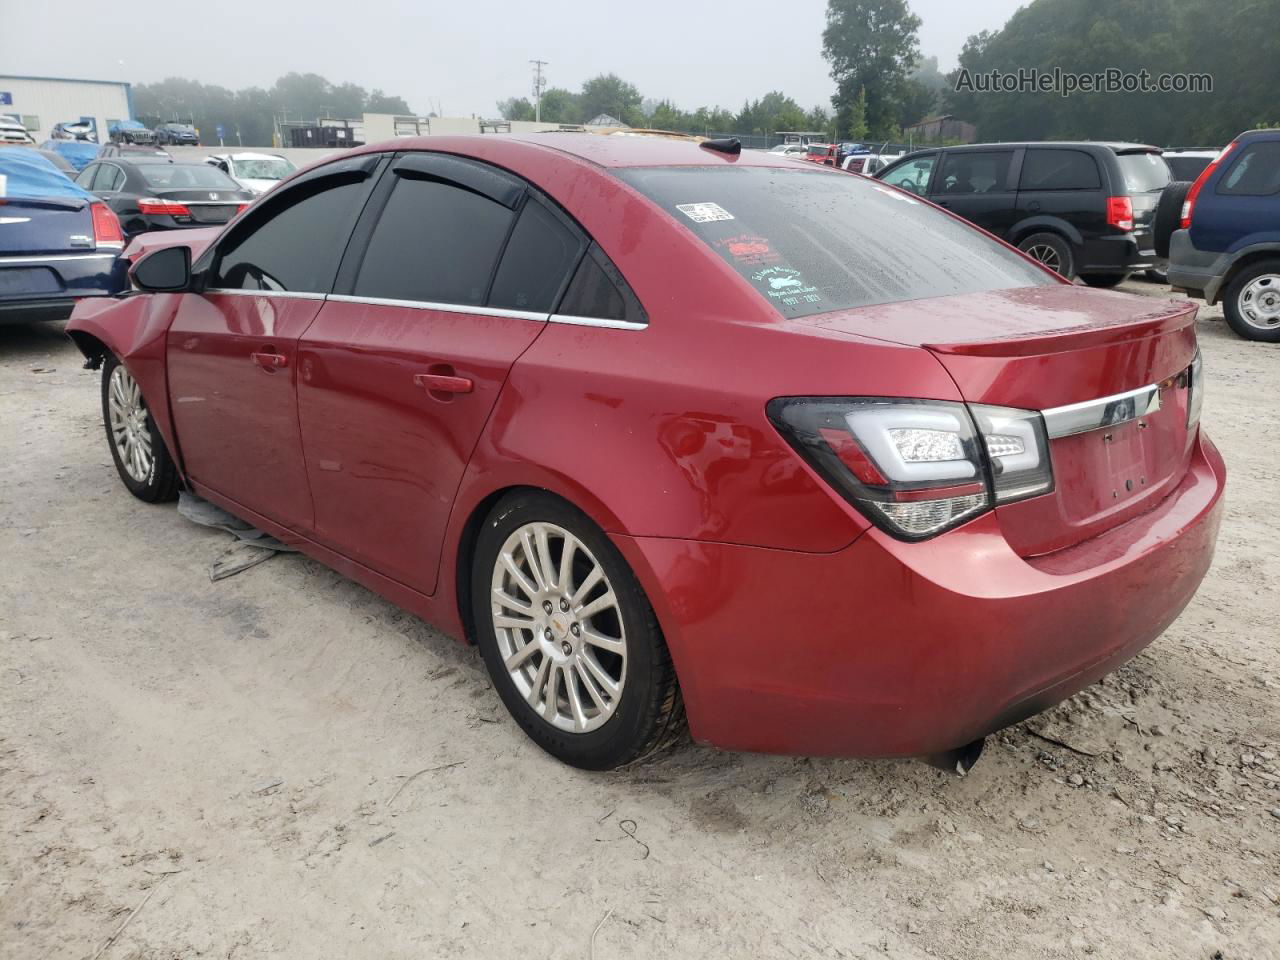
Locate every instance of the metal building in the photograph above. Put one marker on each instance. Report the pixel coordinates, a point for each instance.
(41, 102)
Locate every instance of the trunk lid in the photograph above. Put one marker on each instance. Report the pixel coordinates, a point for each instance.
(1041, 348)
(41, 226)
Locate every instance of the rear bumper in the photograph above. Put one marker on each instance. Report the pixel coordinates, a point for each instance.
(46, 287)
(1198, 271)
(1122, 253)
(893, 649)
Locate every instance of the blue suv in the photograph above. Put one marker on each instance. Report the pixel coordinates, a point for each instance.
(1227, 246)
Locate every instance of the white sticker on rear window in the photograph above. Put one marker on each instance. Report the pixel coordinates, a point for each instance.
(704, 212)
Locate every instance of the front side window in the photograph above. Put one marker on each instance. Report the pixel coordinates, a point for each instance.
(913, 176)
(1059, 170)
(434, 243)
(1256, 172)
(975, 172)
(812, 241)
(294, 242)
(85, 177)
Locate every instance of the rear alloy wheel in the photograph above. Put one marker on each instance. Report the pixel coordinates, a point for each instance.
(137, 448)
(1252, 302)
(569, 638)
(1051, 250)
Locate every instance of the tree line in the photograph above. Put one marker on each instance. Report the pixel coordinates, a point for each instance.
(248, 115)
(883, 84)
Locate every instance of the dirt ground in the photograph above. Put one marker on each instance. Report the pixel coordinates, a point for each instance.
(281, 764)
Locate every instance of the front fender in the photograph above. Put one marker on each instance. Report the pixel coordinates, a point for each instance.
(134, 329)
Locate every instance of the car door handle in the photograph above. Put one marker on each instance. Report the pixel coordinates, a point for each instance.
(943, 203)
(444, 383)
(270, 361)
(1033, 206)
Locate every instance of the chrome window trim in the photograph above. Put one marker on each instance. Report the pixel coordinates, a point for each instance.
(1103, 412)
(294, 294)
(209, 203)
(442, 307)
(597, 322)
(58, 258)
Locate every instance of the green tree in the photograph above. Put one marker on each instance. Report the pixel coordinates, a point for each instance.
(856, 118)
(609, 93)
(1226, 39)
(871, 46)
(515, 108)
(379, 102)
(561, 106)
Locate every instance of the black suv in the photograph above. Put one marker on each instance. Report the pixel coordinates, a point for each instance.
(1083, 209)
(182, 134)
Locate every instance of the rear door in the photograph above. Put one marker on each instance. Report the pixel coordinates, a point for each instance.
(457, 270)
(232, 349)
(1062, 184)
(978, 185)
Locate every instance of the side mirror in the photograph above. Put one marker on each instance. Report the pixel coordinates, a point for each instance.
(168, 270)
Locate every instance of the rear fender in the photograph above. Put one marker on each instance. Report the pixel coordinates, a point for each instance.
(1024, 228)
(133, 328)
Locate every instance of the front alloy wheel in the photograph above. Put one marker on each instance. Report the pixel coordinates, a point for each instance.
(568, 636)
(136, 445)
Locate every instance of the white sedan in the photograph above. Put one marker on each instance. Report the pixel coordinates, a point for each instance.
(258, 172)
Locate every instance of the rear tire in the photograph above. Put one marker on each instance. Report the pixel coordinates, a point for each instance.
(1251, 302)
(1104, 281)
(1050, 250)
(138, 449)
(596, 690)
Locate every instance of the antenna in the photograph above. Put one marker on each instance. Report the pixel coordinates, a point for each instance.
(539, 82)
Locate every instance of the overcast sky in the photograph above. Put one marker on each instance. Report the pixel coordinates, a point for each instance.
(462, 56)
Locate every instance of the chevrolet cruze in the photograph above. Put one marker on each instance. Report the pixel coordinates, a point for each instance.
(680, 431)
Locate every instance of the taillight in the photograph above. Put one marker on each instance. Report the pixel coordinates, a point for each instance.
(106, 227)
(241, 208)
(915, 468)
(1120, 212)
(167, 208)
(1189, 202)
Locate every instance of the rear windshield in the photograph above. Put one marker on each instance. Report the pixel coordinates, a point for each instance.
(1186, 168)
(814, 241)
(1144, 172)
(182, 176)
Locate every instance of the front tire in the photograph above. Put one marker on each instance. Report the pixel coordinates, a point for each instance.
(568, 636)
(138, 449)
(1050, 250)
(1251, 303)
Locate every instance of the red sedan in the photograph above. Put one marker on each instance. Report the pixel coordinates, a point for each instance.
(666, 428)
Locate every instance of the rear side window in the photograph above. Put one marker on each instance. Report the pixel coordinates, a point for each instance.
(297, 247)
(815, 241)
(541, 252)
(599, 292)
(1059, 170)
(1144, 172)
(434, 243)
(975, 172)
(1256, 172)
(85, 177)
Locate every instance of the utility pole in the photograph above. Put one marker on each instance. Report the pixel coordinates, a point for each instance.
(538, 84)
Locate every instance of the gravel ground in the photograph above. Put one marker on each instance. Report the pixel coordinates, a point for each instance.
(282, 764)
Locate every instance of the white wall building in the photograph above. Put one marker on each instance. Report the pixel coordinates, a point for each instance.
(40, 102)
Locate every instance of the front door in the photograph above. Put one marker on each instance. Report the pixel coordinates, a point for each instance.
(976, 185)
(232, 349)
(402, 367)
